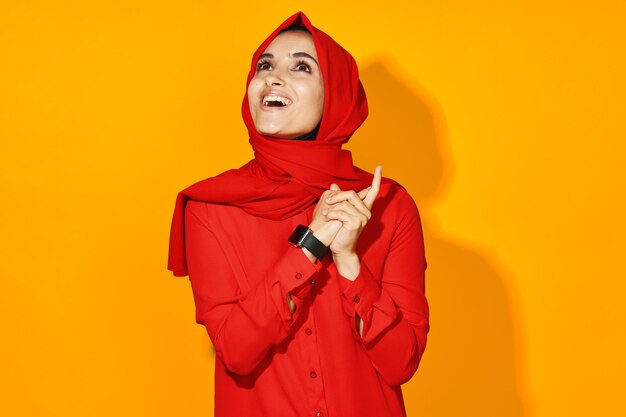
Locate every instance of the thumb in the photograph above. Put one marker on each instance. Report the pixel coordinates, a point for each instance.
(334, 187)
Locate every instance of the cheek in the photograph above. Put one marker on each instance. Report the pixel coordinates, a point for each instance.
(319, 100)
(314, 95)
(321, 96)
(253, 90)
(319, 93)
(252, 95)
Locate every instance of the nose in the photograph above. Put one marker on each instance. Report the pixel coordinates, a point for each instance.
(274, 79)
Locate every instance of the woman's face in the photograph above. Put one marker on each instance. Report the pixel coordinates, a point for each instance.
(286, 95)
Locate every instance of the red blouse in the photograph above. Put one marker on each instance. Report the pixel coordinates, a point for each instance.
(314, 362)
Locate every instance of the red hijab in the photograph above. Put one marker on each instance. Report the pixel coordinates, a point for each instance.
(287, 176)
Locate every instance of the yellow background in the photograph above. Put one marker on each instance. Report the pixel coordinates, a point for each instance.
(505, 121)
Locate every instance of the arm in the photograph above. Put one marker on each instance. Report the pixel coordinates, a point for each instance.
(394, 315)
(242, 327)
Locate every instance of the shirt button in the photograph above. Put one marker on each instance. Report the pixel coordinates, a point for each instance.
(319, 414)
(312, 374)
(312, 282)
(308, 331)
(298, 275)
(356, 299)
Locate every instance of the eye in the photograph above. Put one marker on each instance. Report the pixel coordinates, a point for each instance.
(303, 66)
(263, 65)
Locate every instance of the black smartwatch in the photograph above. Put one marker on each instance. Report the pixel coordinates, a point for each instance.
(303, 237)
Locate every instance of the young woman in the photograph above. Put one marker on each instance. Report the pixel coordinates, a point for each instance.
(307, 272)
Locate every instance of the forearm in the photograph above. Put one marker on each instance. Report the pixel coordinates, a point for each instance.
(243, 325)
(397, 352)
(393, 343)
(349, 267)
(251, 329)
(263, 317)
(309, 255)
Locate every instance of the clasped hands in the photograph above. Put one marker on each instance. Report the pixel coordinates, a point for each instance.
(338, 220)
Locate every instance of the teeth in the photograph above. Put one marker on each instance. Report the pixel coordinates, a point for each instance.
(283, 100)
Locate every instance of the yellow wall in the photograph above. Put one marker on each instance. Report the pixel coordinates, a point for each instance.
(505, 122)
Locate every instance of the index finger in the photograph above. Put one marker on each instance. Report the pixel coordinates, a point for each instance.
(364, 192)
(373, 192)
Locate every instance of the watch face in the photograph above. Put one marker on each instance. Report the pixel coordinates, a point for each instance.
(306, 232)
(298, 235)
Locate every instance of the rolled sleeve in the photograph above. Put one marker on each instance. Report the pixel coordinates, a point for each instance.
(364, 297)
(294, 274)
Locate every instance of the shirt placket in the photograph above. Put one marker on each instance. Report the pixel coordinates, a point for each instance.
(315, 381)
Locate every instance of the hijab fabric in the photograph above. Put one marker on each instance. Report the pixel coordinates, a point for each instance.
(287, 176)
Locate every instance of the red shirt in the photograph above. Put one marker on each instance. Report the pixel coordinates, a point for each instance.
(314, 362)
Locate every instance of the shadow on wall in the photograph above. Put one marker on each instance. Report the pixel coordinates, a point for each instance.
(473, 363)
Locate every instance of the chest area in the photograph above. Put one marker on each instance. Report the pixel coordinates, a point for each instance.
(253, 244)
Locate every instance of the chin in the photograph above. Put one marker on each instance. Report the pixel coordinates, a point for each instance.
(279, 130)
(275, 132)
(268, 131)
(278, 135)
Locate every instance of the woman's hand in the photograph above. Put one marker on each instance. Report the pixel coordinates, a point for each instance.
(353, 211)
(323, 229)
(343, 215)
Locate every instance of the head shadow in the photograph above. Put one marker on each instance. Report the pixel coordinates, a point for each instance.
(473, 364)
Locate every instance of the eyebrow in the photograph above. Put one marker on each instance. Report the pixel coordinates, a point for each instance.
(295, 54)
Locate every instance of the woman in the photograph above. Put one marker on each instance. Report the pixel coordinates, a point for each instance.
(307, 272)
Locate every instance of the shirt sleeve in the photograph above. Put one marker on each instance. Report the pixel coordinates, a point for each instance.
(242, 326)
(395, 313)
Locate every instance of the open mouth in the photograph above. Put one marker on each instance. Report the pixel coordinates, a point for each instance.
(276, 101)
